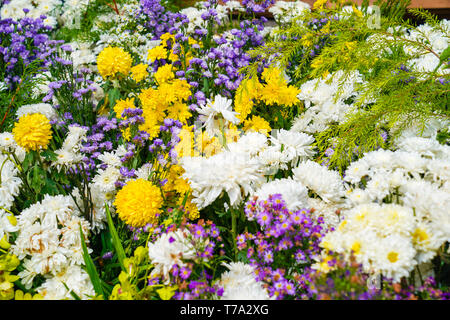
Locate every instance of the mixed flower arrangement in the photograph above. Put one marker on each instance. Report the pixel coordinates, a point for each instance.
(151, 152)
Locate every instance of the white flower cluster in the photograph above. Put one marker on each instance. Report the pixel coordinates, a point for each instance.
(69, 154)
(241, 167)
(10, 185)
(72, 11)
(43, 108)
(194, 14)
(49, 244)
(118, 30)
(424, 36)
(286, 11)
(325, 101)
(392, 238)
(171, 248)
(102, 188)
(239, 283)
(49, 8)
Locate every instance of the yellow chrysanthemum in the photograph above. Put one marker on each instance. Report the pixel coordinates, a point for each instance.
(138, 203)
(113, 60)
(276, 90)
(246, 93)
(139, 72)
(33, 132)
(164, 74)
(179, 111)
(123, 104)
(157, 53)
(258, 124)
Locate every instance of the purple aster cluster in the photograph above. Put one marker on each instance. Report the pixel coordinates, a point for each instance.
(99, 139)
(257, 6)
(168, 141)
(73, 92)
(287, 238)
(193, 279)
(157, 19)
(217, 71)
(24, 42)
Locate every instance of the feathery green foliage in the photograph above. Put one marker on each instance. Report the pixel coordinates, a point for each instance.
(392, 97)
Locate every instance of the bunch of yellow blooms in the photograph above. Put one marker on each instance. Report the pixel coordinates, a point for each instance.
(275, 90)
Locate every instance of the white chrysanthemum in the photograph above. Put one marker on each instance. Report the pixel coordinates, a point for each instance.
(42, 108)
(41, 240)
(75, 278)
(296, 145)
(438, 170)
(234, 173)
(144, 171)
(429, 148)
(325, 183)
(272, 159)
(251, 143)
(74, 138)
(327, 210)
(7, 142)
(430, 203)
(357, 196)
(210, 113)
(69, 154)
(378, 187)
(112, 159)
(66, 159)
(170, 248)
(293, 192)
(239, 283)
(9, 183)
(356, 170)
(105, 179)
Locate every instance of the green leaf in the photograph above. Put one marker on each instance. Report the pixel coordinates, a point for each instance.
(73, 294)
(113, 95)
(28, 161)
(115, 239)
(49, 155)
(90, 267)
(38, 180)
(445, 55)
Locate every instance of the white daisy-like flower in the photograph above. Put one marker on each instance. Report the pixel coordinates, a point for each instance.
(212, 111)
(393, 257)
(105, 179)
